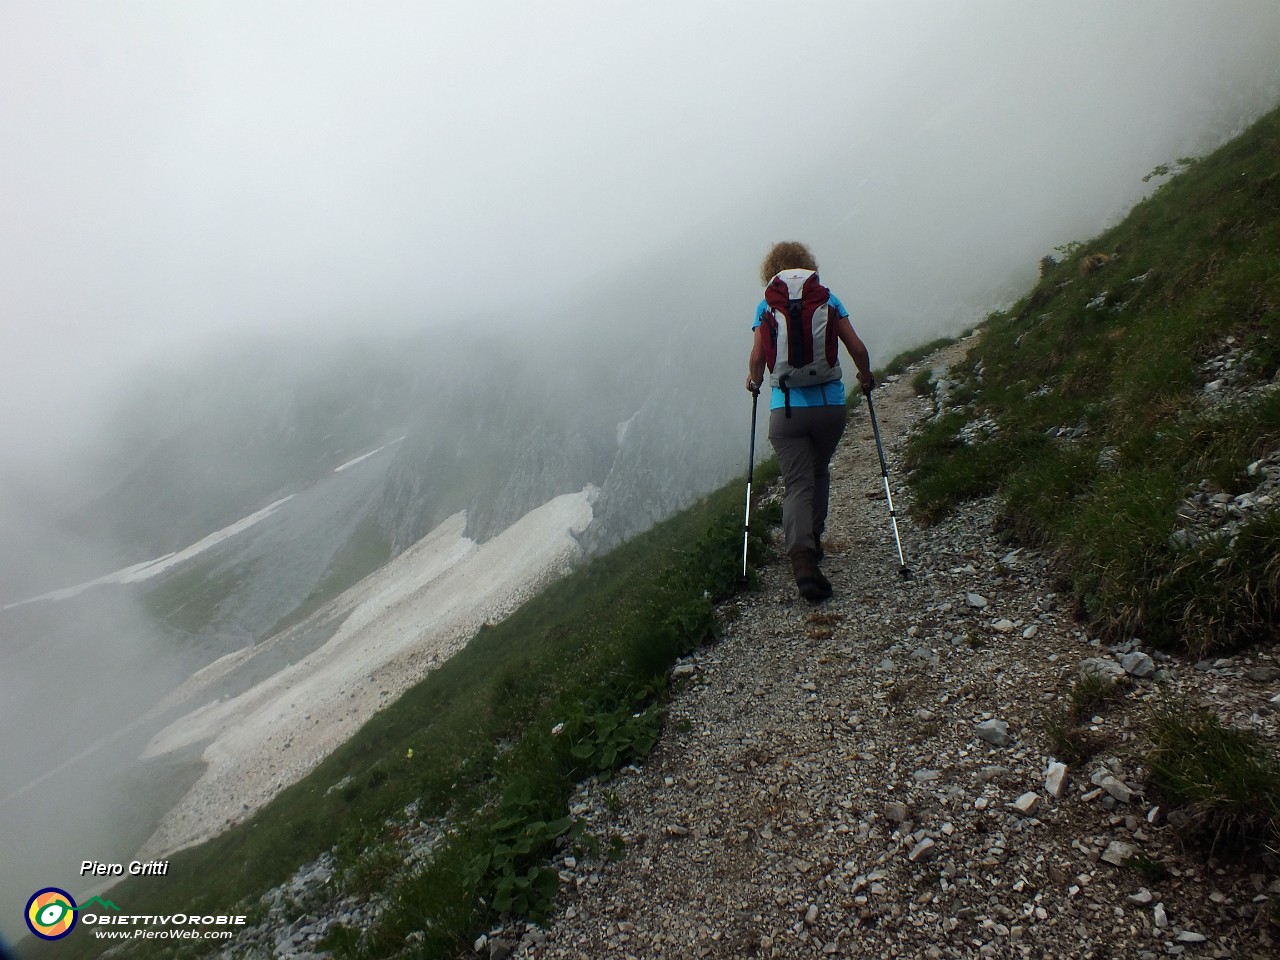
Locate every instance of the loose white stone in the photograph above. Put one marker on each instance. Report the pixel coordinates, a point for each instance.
(1142, 897)
(1117, 853)
(921, 851)
(1055, 779)
(1138, 664)
(994, 732)
(1117, 788)
(977, 601)
(1028, 803)
(1101, 667)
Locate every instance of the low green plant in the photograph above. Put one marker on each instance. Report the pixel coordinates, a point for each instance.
(367, 866)
(512, 874)
(715, 559)
(1220, 591)
(693, 623)
(946, 470)
(617, 848)
(604, 740)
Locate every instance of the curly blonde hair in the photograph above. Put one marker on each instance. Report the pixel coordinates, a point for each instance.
(787, 255)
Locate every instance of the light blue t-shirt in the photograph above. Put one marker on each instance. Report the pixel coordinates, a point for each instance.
(824, 394)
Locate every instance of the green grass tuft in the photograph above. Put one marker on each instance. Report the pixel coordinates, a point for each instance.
(899, 364)
(1069, 728)
(1227, 778)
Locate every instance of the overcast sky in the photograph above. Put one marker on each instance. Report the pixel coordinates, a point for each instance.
(178, 171)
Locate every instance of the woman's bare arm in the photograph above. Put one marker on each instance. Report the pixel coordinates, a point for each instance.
(755, 365)
(858, 351)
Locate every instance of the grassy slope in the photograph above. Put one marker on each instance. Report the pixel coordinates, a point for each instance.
(1114, 347)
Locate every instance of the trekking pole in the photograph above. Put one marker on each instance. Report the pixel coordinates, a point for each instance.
(751, 465)
(903, 570)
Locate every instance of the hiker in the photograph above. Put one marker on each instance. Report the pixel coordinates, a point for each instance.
(799, 327)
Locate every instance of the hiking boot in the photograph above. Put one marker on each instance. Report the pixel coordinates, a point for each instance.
(813, 586)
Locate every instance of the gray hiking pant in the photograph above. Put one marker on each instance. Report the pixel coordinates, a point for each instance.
(804, 445)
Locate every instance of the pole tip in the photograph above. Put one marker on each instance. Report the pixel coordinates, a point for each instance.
(906, 573)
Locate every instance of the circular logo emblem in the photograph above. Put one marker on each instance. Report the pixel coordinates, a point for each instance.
(51, 913)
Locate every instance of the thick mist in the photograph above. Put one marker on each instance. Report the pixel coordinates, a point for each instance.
(241, 244)
(175, 175)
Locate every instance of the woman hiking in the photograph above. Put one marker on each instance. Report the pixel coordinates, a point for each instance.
(799, 326)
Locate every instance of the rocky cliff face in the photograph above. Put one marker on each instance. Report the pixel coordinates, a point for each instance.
(500, 458)
(675, 447)
(489, 446)
(651, 431)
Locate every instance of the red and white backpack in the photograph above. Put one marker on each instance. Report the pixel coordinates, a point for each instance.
(803, 347)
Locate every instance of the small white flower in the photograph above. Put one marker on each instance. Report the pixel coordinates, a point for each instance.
(557, 729)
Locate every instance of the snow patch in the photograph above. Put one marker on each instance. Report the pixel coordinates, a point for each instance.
(150, 568)
(366, 456)
(397, 624)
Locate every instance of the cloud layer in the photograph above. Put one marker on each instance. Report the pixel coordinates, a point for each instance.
(179, 173)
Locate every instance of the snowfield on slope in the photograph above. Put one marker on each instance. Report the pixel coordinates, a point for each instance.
(150, 568)
(396, 625)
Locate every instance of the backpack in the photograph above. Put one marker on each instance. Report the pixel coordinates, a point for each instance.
(803, 347)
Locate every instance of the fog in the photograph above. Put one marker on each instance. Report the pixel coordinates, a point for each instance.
(177, 177)
(176, 173)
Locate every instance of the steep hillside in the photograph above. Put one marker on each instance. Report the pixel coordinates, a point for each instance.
(1128, 409)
